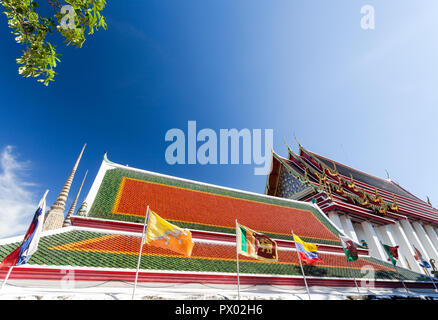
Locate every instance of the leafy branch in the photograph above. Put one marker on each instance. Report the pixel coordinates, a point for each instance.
(30, 29)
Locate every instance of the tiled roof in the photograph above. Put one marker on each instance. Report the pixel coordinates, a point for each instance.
(124, 195)
(80, 248)
(367, 178)
(366, 197)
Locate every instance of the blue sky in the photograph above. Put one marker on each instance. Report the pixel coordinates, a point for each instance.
(364, 98)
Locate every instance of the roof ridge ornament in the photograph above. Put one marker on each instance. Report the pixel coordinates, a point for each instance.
(105, 158)
(394, 205)
(351, 183)
(285, 142)
(387, 175)
(296, 139)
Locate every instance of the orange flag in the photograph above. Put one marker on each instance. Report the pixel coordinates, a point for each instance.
(163, 234)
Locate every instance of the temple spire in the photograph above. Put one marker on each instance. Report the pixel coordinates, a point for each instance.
(55, 216)
(67, 221)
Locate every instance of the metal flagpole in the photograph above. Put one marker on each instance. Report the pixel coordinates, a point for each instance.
(237, 261)
(146, 218)
(43, 206)
(301, 265)
(349, 265)
(352, 273)
(431, 278)
(399, 276)
(425, 269)
(7, 277)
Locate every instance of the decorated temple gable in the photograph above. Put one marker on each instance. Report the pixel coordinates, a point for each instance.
(288, 184)
(369, 209)
(324, 179)
(124, 193)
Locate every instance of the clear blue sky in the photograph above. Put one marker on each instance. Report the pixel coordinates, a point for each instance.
(364, 98)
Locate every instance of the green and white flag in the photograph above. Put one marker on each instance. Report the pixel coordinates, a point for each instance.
(392, 253)
(349, 248)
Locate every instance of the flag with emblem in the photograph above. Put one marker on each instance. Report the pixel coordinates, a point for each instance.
(392, 253)
(160, 233)
(255, 244)
(349, 248)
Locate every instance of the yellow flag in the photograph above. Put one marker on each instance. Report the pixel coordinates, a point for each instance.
(163, 234)
(307, 246)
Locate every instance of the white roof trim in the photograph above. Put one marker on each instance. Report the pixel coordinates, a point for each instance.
(260, 195)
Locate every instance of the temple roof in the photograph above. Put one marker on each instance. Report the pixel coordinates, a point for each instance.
(337, 186)
(96, 249)
(123, 193)
(103, 245)
(371, 180)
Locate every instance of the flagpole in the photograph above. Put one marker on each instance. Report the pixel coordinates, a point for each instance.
(237, 262)
(399, 276)
(301, 265)
(7, 277)
(146, 218)
(420, 258)
(349, 266)
(352, 273)
(431, 278)
(43, 205)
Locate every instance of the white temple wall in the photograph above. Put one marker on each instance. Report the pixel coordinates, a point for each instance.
(404, 234)
(389, 238)
(376, 249)
(432, 235)
(425, 240)
(348, 227)
(359, 232)
(436, 230)
(334, 216)
(413, 238)
(405, 246)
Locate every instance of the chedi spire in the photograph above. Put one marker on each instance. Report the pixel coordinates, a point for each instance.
(67, 221)
(55, 216)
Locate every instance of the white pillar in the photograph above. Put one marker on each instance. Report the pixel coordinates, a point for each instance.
(376, 249)
(335, 219)
(432, 235)
(348, 227)
(389, 238)
(436, 230)
(405, 246)
(379, 234)
(425, 240)
(414, 239)
(359, 232)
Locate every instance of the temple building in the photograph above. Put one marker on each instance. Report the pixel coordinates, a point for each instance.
(99, 245)
(368, 209)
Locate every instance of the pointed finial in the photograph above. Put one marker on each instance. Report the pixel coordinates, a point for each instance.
(285, 142)
(387, 175)
(428, 201)
(67, 220)
(299, 144)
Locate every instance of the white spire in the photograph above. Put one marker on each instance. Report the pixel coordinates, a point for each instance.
(67, 221)
(55, 216)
